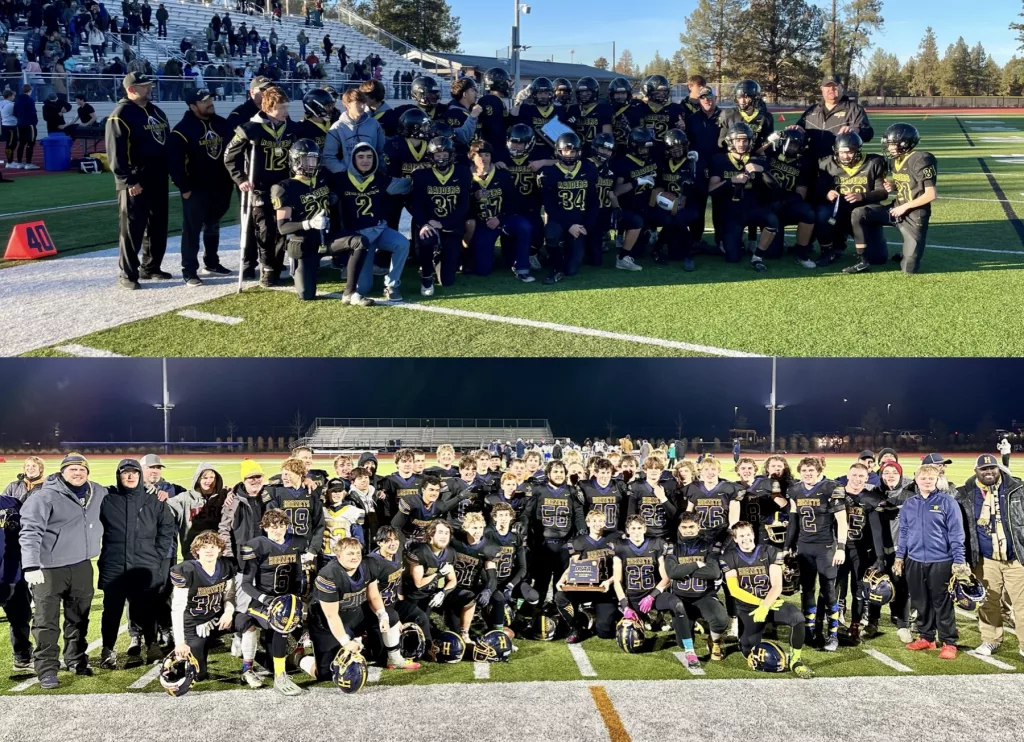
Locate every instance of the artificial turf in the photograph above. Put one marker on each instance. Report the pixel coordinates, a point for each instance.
(952, 308)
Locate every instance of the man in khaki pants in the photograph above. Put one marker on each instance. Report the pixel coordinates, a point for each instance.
(993, 514)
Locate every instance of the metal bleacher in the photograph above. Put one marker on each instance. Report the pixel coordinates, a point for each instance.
(329, 435)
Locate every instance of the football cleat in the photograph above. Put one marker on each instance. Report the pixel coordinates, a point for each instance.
(177, 676)
(870, 631)
(134, 646)
(717, 655)
(348, 670)
(806, 262)
(627, 264)
(691, 661)
(802, 671)
(285, 686)
(758, 264)
(861, 266)
(108, 659)
(904, 635)
(427, 288)
(554, 278)
(831, 644)
(767, 656)
(407, 665)
(252, 679)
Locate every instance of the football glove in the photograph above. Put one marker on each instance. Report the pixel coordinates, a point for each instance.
(508, 592)
(437, 600)
(962, 572)
(308, 558)
(760, 613)
(630, 615)
(445, 569)
(35, 577)
(203, 630)
(316, 222)
(484, 597)
(646, 604)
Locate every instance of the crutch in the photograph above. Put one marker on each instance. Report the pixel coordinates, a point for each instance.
(246, 217)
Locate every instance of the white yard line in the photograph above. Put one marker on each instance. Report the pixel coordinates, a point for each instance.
(993, 661)
(151, 674)
(967, 249)
(25, 685)
(681, 656)
(887, 660)
(194, 314)
(84, 351)
(579, 656)
(92, 647)
(974, 617)
(481, 670)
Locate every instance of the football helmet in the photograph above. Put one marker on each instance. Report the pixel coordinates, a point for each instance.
(304, 158)
(541, 90)
(510, 615)
(521, 140)
(177, 676)
(903, 137)
(791, 142)
(776, 528)
(563, 91)
(847, 148)
(619, 91)
(750, 90)
(284, 613)
(448, 648)
(735, 136)
(676, 143)
(544, 627)
(494, 646)
(629, 635)
(414, 123)
(425, 91)
(603, 146)
(790, 576)
(656, 89)
(497, 78)
(441, 152)
(967, 593)
(876, 587)
(411, 642)
(767, 656)
(640, 143)
(442, 129)
(587, 90)
(348, 670)
(568, 148)
(332, 90)
(318, 104)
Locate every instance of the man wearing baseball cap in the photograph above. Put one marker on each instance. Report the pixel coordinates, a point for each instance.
(136, 141)
(835, 115)
(992, 502)
(867, 458)
(242, 114)
(60, 535)
(937, 459)
(703, 129)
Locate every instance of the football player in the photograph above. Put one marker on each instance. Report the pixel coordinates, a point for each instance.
(563, 92)
(569, 192)
(305, 454)
(427, 96)
(693, 87)
(657, 112)
(265, 141)
(303, 507)
(598, 544)
(378, 107)
(464, 493)
(416, 512)
(202, 598)
(847, 182)
(635, 174)
(476, 574)
(302, 206)
(895, 491)
(817, 534)
(430, 572)
(754, 576)
(750, 111)
(741, 184)
(405, 153)
(605, 494)
(511, 494)
(445, 466)
(404, 482)
(864, 548)
(462, 113)
(620, 96)
(440, 205)
(491, 200)
(589, 114)
(554, 516)
(912, 175)
(652, 497)
(539, 112)
(714, 500)
(694, 570)
(602, 155)
(524, 200)
(792, 169)
(491, 123)
(15, 597)
(388, 569)
(272, 566)
(639, 569)
(747, 486)
(534, 464)
(674, 184)
(317, 110)
(773, 501)
(510, 563)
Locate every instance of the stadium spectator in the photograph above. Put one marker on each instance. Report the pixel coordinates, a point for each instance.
(303, 41)
(147, 16)
(28, 119)
(153, 475)
(328, 46)
(161, 22)
(28, 481)
(342, 57)
(995, 541)
(1005, 449)
(931, 550)
(135, 557)
(835, 115)
(60, 536)
(53, 114)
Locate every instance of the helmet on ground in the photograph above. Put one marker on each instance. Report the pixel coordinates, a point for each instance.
(629, 635)
(177, 676)
(448, 648)
(767, 656)
(348, 670)
(494, 646)
(412, 643)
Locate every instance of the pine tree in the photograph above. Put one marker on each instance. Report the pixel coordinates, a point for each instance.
(978, 70)
(858, 20)
(429, 24)
(710, 40)
(956, 68)
(1019, 28)
(782, 46)
(927, 68)
(883, 74)
(657, 66)
(677, 67)
(1013, 77)
(626, 65)
(601, 63)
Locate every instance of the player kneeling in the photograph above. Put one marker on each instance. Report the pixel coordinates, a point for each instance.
(754, 576)
(203, 599)
(639, 569)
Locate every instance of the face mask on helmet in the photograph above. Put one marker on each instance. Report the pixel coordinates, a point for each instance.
(442, 160)
(604, 154)
(791, 146)
(677, 151)
(585, 96)
(569, 154)
(744, 101)
(660, 95)
(542, 97)
(848, 156)
(305, 164)
(739, 145)
(563, 96)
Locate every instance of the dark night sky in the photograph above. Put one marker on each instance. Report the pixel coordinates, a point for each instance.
(112, 399)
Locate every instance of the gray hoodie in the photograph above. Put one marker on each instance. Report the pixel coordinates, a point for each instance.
(345, 134)
(57, 528)
(195, 512)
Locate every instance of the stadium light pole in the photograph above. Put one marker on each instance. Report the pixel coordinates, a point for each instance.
(773, 408)
(515, 41)
(166, 408)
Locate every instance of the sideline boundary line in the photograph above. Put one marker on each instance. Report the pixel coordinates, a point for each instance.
(887, 660)
(1015, 221)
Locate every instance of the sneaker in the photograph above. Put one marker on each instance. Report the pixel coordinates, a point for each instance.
(216, 270)
(627, 264)
(23, 663)
(108, 659)
(407, 665)
(827, 258)
(802, 671)
(84, 669)
(355, 300)
(135, 646)
(535, 263)
(554, 278)
(29, 166)
(393, 295)
(948, 652)
(688, 265)
(870, 631)
(14, 166)
(127, 283)
(154, 653)
(904, 635)
(691, 661)
(427, 287)
(157, 275)
(861, 266)
(758, 264)
(252, 679)
(717, 655)
(194, 281)
(249, 274)
(574, 638)
(267, 279)
(832, 644)
(284, 685)
(236, 646)
(987, 649)
(806, 262)
(523, 277)
(49, 681)
(920, 644)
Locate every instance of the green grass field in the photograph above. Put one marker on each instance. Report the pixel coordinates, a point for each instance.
(787, 311)
(536, 661)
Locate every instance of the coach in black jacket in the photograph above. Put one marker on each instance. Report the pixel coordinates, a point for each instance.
(135, 557)
(835, 115)
(194, 159)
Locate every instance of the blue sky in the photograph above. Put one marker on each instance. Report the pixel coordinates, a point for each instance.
(555, 25)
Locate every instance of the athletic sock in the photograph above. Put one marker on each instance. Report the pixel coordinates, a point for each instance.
(688, 644)
(796, 655)
(308, 666)
(278, 666)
